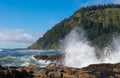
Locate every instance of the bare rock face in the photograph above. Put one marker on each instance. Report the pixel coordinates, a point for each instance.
(92, 71)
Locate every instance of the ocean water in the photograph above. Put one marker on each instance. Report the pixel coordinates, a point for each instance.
(12, 57)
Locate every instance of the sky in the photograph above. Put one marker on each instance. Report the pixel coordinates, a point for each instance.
(22, 22)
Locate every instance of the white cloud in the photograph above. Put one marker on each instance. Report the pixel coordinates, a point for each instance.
(116, 1)
(16, 38)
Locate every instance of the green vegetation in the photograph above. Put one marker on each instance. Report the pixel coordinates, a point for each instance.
(99, 22)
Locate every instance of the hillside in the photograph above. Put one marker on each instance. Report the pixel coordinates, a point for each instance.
(99, 22)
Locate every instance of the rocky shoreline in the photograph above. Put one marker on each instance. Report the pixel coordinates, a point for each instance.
(92, 71)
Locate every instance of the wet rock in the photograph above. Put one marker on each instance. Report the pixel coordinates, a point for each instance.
(2, 75)
(24, 73)
(50, 58)
(14, 73)
(32, 67)
(3, 68)
(92, 71)
(65, 75)
(51, 67)
(60, 70)
(18, 73)
(37, 74)
(117, 70)
(66, 69)
(55, 75)
(0, 66)
(42, 73)
(55, 60)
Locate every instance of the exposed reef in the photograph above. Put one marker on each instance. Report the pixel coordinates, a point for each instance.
(92, 71)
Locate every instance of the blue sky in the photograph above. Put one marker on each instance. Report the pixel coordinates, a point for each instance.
(29, 19)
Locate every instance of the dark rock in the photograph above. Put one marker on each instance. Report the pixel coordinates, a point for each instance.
(0, 65)
(3, 68)
(2, 75)
(33, 67)
(51, 58)
(55, 75)
(24, 73)
(56, 60)
(41, 74)
(92, 71)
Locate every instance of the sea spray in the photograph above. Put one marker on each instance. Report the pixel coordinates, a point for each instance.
(79, 53)
(114, 52)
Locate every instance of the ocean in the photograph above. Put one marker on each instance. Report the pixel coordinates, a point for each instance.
(12, 57)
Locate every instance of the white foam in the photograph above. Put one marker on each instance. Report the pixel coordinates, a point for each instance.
(78, 52)
(44, 63)
(25, 64)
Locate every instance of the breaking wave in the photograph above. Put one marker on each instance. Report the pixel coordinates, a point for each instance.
(79, 53)
(11, 57)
